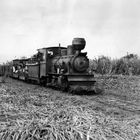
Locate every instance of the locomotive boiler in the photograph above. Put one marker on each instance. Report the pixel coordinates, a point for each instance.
(72, 60)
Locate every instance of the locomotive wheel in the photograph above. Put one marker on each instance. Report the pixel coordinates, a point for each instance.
(63, 83)
(64, 86)
(43, 81)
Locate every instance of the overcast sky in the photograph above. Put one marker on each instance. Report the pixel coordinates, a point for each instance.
(110, 27)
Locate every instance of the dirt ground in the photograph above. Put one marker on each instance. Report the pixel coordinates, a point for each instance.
(31, 112)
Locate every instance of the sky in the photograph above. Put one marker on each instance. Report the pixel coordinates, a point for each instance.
(110, 27)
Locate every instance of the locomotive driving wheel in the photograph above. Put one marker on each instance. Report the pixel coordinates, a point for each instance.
(43, 81)
(63, 83)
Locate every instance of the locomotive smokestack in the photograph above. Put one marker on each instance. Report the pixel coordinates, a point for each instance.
(79, 43)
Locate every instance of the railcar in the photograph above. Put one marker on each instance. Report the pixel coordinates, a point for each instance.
(19, 68)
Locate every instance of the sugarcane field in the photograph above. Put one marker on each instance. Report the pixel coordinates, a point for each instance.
(69, 69)
(33, 112)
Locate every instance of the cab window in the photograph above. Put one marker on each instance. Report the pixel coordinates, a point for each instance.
(50, 53)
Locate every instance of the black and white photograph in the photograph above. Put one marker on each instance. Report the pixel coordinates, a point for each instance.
(69, 70)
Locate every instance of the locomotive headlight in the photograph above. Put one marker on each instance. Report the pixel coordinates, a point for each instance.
(80, 63)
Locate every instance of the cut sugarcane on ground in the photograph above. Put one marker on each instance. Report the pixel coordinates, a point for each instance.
(31, 112)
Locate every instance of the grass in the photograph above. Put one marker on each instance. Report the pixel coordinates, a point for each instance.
(30, 112)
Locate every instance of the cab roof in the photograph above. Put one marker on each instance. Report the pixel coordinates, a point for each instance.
(53, 48)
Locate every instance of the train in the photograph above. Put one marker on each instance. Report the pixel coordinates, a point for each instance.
(66, 68)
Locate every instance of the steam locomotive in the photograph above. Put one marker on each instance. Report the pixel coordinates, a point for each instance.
(62, 67)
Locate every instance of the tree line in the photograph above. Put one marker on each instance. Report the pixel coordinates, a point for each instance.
(127, 65)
